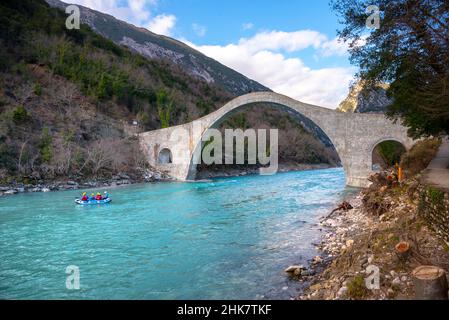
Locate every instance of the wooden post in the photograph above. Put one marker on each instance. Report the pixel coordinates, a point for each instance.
(400, 174)
(430, 283)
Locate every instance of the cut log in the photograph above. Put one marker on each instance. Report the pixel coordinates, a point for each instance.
(292, 269)
(430, 283)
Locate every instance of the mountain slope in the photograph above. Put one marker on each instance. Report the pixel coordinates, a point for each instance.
(364, 100)
(155, 46)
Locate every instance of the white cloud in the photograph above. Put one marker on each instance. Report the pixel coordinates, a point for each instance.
(199, 30)
(137, 7)
(162, 24)
(262, 58)
(133, 11)
(335, 47)
(280, 40)
(247, 26)
(137, 12)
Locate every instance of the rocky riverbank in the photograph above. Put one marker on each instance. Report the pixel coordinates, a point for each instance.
(361, 240)
(36, 184)
(210, 172)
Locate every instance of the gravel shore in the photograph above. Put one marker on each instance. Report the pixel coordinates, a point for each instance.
(358, 258)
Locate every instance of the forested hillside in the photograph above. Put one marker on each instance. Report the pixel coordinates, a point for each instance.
(67, 98)
(155, 46)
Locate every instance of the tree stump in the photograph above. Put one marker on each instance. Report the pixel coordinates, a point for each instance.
(402, 251)
(430, 283)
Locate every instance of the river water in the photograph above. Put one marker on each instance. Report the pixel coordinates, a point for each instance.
(224, 239)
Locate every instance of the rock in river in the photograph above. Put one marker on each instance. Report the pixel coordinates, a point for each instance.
(294, 269)
(317, 260)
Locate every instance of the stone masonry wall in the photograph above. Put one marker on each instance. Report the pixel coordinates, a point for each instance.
(434, 208)
(354, 135)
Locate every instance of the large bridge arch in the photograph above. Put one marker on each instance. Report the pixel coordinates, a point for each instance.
(352, 134)
(317, 115)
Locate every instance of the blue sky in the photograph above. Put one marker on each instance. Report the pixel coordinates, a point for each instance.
(287, 45)
(226, 21)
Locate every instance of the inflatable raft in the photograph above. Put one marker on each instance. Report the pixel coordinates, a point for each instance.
(90, 202)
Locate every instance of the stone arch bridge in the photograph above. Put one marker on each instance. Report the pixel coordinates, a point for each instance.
(354, 136)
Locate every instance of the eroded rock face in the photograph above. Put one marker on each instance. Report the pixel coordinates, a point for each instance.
(365, 100)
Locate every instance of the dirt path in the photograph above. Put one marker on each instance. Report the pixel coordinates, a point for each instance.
(437, 173)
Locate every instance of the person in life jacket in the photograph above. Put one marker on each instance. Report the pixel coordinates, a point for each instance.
(84, 198)
(99, 197)
(92, 196)
(106, 195)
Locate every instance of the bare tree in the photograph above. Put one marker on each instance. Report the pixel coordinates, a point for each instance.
(63, 158)
(19, 160)
(101, 155)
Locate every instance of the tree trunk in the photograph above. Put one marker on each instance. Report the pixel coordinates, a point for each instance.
(430, 283)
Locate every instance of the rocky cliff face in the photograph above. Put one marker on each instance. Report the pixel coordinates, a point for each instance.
(365, 100)
(155, 46)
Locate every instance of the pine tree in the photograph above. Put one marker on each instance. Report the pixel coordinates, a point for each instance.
(410, 51)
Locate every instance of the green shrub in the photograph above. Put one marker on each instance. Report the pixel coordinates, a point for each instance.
(436, 196)
(20, 68)
(68, 136)
(45, 146)
(204, 107)
(107, 45)
(79, 158)
(143, 118)
(238, 121)
(420, 155)
(357, 288)
(20, 115)
(164, 108)
(37, 89)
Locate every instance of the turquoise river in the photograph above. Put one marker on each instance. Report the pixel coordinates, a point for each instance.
(228, 238)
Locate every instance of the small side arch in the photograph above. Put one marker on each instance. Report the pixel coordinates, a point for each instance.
(165, 157)
(386, 152)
